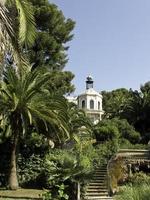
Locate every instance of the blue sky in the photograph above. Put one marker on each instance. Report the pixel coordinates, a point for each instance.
(111, 42)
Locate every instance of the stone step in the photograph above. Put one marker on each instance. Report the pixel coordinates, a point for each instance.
(100, 172)
(99, 176)
(96, 194)
(97, 187)
(99, 198)
(98, 181)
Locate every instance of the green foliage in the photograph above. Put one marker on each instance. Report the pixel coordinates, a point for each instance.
(54, 31)
(20, 13)
(50, 47)
(29, 101)
(78, 120)
(126, 130)
(47, 195)
(137, 111)
(139, 178)
(116, 128)
(115, 101)
(105, 131)
(133, 106)
(59, 194)
(134, 192)
(30, 161)
(60, 82)
(106, 150)
(25, 101)
(26, 22)
(30, 171)
(126, 144)
(62, 165)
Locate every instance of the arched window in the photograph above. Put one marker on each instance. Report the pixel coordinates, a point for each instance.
(91, 104)
(83, 104)
(98, 105)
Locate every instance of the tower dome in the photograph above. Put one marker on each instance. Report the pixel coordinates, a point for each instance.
(91, 101)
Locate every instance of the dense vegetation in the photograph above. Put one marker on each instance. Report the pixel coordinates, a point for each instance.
(45, 141)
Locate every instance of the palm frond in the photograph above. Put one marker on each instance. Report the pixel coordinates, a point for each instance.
(6, 30)
(27, 30)
(8, 40)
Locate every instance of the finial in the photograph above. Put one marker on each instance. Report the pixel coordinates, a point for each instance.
(89, 82)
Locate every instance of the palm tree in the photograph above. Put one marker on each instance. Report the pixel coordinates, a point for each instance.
(78, 120)
(24, 100)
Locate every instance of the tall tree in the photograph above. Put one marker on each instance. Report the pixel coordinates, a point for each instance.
(60, 81)
(115, 101)
(24, 100)
(137, 110)
(53, 32)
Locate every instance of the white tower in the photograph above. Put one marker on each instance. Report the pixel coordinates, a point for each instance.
(91, 102)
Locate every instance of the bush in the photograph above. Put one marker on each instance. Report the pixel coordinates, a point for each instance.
(105, 132)
(126, 144)
(134, 192)
(106, 150)
(126, 130)
(62, 165)
(139, 178)
(116, 128)
(31, 171)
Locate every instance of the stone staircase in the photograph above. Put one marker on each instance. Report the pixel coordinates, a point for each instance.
(132, 155)
(97, 189)
(133, 152)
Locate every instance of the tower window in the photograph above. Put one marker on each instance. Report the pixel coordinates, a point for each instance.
(98, 105)
(83, 104)
(91, 104)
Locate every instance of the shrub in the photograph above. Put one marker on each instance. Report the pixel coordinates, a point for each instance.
(126, 144)
(106, 150)
(31, 171)
(105, 132)
(62, 165)
(116, 128)
(139, 178)
(134, 192)
(126, 130)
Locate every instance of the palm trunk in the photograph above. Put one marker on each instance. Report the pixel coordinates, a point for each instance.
(78, 191)
(16, 128)
(13, 180)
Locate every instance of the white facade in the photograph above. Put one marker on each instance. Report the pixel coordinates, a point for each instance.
(90, 101)
(72, 99)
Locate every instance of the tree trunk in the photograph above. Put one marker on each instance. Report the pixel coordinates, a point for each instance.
(78, 191)
(13, 180)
